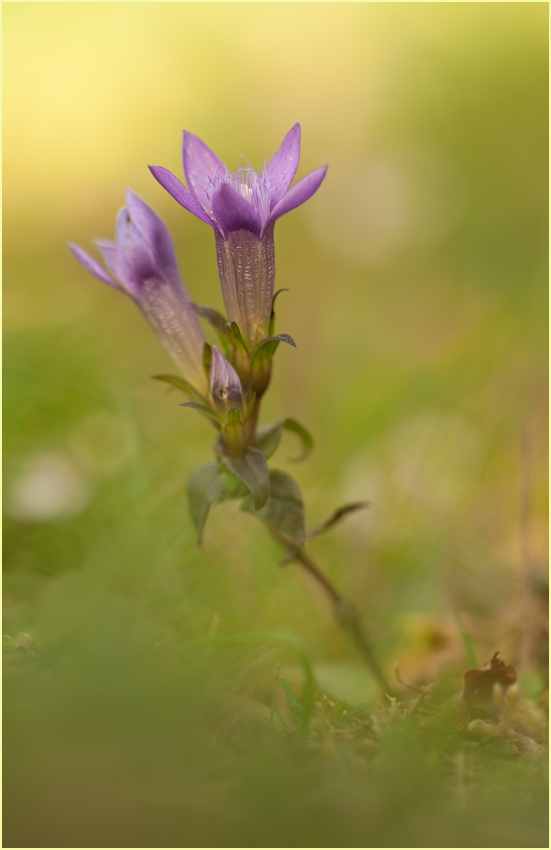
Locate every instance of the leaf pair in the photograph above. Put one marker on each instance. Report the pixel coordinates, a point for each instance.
(271, 496)
(268, 438)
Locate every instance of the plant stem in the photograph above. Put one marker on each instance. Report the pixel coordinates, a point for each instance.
(345, 612)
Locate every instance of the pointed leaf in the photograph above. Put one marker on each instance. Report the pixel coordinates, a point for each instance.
(235, 337)
(284, 509)
(269, 345)
(253, 472)
(206, 411)
(304, 436)
(250, 407)
(208, 484)
(261, 361)
(336, 517)
(291, 698)
(218, 322)
(267, 439)
(180, 384)
(213, 317)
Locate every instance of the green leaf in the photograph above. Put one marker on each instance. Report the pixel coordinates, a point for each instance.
(208, 484)
(180, 384)
(253, 472)
(218, 322)
(213, 317)
(234, 335)
(267, 438)
(336, 517)
(304, 436)
(266, 348)
(206, 411)
(284, 509)
(293, 701)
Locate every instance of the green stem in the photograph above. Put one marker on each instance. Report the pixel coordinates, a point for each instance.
(345, 612)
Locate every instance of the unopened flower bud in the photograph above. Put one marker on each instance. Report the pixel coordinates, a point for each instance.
(225, 386)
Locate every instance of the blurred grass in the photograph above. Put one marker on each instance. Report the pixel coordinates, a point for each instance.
(418, 301)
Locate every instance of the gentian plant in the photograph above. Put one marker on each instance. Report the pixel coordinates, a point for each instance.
(226, 383)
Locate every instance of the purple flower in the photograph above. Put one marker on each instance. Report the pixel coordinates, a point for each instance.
(142, 264)
(242, 207)
(225, 386)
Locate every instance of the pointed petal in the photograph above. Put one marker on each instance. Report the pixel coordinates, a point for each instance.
(299, 193)
(232, 212)
(202, 168)
(179, 192)
(155, 233)
(283, 165)
(111, 258)
(92, 265)
(136, 259)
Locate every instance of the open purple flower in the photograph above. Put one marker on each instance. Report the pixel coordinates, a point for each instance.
(142, 264)
(242, 207)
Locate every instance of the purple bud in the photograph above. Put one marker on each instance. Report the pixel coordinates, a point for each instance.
(225, 386)
(142, 264)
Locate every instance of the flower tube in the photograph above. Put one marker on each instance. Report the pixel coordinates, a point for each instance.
(242, 207)
(142, 264)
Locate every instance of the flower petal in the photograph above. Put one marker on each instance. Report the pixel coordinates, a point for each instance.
(232, 212)
(202, 168)
(179, 192)
(155, 233)
(137, 261)
(299, 193)
(283, 165)
(92, 265)
(111, 258)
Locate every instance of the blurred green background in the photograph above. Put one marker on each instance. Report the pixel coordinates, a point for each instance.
(418, 302)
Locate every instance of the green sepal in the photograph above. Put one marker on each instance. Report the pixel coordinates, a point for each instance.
(218, 322)
(180, 384)
(209, 484)
(261, 361)
(250, 407)
(266, 348)
(284, 509)
(336, 517)
(234, 335)
(267, 439)
(206, 411)
(213, 317)
(252, 470)
(271, 326)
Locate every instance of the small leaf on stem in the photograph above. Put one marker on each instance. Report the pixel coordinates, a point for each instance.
(336, 517)
(252, 469)
(180, 384)
(284, 509)
(208, 484)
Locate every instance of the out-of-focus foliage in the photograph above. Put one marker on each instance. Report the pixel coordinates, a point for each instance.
(418, 302)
